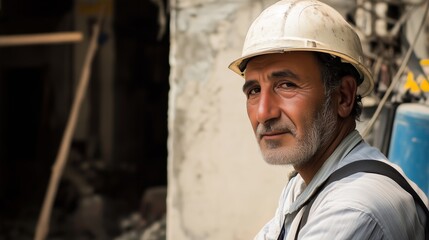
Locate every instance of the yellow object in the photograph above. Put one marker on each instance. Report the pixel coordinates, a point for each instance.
(421, 83)
(425, 85)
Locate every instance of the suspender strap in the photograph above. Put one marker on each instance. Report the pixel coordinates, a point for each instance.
(367, 166)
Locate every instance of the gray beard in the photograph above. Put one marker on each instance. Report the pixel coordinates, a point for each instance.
(320, 131)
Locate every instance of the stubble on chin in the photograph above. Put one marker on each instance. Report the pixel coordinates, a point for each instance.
(276, 153)
(273, 150)
(302, 149)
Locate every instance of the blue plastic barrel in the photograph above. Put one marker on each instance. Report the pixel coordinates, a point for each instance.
(409, 145)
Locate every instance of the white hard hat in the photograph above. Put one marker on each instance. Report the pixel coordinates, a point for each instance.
(304, 25)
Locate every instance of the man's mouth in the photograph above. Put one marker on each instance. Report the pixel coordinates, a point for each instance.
(273, 134)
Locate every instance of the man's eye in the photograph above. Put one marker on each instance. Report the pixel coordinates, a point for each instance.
(286, 85)
(253, 91)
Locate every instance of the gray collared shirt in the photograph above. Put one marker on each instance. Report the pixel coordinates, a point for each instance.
(361, 206)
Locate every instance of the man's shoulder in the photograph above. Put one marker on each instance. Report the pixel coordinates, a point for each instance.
(375, 195)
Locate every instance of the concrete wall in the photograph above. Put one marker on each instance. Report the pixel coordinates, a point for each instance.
(219, 187)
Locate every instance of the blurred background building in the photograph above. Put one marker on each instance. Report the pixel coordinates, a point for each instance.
(163, 147)
(119, 147)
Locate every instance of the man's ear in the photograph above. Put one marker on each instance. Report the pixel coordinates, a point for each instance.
(346, 96)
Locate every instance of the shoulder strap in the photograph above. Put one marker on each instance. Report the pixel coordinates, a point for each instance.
(367, 166)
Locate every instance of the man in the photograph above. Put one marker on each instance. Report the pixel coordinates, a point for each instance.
(304, 76)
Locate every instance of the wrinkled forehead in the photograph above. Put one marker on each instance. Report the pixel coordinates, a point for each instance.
(299, 62)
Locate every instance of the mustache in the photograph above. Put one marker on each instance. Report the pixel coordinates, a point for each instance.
(275, 126)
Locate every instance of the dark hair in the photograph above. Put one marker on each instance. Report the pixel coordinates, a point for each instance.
(332, 70)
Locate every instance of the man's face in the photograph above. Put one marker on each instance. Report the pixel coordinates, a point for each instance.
(287, 106)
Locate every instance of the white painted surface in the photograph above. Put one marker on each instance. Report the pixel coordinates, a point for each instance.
(219, 187)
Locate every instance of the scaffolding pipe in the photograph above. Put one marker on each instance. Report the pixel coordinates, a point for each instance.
(60, 162)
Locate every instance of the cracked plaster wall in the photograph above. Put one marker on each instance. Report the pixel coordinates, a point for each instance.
(218, 185)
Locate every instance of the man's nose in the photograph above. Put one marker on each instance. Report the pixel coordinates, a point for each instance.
(268, 107)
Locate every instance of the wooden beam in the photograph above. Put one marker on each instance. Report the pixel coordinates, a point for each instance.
(38, 39)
